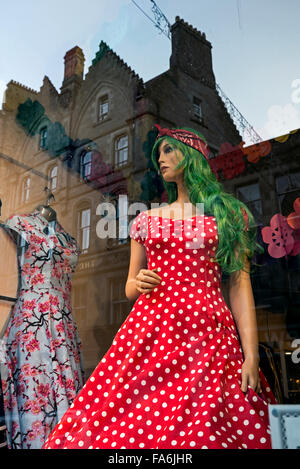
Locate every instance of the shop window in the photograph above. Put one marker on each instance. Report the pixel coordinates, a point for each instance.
(103, 108)
(26, 190)
(85, 165)
(53, 174)
(121, 150)
(251, 196)
(84, 229)
(43, 138)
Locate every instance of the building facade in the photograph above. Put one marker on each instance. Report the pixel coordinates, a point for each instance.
(89, 144)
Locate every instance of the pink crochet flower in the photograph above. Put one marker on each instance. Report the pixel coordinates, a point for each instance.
(293, 218)
(279, 236)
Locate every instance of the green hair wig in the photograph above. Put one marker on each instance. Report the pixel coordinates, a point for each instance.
(235, 242)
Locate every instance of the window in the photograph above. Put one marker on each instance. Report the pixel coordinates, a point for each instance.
(197, 106)
(84, 228)
(53, 178)
(80, 295)
(26, 190)
(103, 108)
(287, 189)
(250, 195)
(213, 152)
(121, 225)
(121, 151)
(43, 138)
(119, 306)
(86, 165)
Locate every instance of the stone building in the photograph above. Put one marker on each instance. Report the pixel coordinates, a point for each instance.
(88, 143)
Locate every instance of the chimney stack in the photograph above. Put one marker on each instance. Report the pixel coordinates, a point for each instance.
(191, 52)
(73, 76)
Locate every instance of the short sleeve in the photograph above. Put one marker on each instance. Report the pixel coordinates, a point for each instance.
(16, 224)
(138, 230)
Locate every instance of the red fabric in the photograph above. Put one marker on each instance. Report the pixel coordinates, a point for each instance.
(184, 136)
(172, 376)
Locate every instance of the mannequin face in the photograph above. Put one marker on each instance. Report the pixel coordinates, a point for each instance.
(169, 157)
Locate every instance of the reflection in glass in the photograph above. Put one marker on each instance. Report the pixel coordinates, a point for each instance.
(86, 165)
(197, 108)
(251, 196)
(103, 108)
(84, 222)
(43, 138)
(287, 187)
(26, 190)
(121, 151)
(53, 178)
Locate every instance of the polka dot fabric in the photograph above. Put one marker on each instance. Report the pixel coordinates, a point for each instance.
(172, 376)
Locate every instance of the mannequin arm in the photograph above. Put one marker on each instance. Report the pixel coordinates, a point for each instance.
(243, 310)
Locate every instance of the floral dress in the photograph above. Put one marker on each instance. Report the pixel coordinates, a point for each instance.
(172, 376)
(41, 364)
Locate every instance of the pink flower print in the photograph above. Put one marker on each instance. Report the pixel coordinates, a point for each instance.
(35, 408)
(17, 321)
(27, 314)
(27, 336)
(33, 345)
(28, 253)
(54, 300)
(279, 236)
(37, 428)
(31, 436)
(56, 343)
(71, 395)
(20, 389)
(70, 384)
(37, 239)
(57, 272)
(43, 389)
(26, 269)
(26, 369)
(39, 278)
(30, 304)
(42, 401)
(44, 307)
(27, 405)
(60, 328)
(68, 252)
(34, 270)
(18, 336)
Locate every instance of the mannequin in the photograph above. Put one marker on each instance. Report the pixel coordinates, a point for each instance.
(41, 334)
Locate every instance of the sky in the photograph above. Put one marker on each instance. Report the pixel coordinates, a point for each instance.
(255, 47)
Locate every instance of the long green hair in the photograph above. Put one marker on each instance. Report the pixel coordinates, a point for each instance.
(235, 243)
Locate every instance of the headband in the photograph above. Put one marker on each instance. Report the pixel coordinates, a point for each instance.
(184, 136)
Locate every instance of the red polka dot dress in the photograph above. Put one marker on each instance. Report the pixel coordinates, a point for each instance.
(172, 376)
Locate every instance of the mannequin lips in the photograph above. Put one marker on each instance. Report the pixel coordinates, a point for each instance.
(164, 168)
